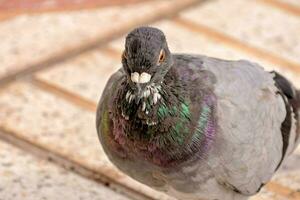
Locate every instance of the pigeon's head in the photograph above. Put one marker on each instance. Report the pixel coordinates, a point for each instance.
(146, 58)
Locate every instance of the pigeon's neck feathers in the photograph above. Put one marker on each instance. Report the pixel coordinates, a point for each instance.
(168, 122)
(158, 100)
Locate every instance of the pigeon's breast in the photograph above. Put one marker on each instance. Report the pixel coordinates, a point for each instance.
(172, 142)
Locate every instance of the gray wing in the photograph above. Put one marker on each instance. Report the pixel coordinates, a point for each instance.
(250, 143)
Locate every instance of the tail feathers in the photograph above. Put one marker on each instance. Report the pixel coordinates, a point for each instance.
(291, 97)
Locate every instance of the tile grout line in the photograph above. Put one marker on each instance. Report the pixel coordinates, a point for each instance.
(5, 17)
(161, 13)
(41, 152)
(68, 95)
(287, 7)
(65, 94)
(237, 44)
(112, 52)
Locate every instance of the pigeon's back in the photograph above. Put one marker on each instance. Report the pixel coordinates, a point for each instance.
(258, 123)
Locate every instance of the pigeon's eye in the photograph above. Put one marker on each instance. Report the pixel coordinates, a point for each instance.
(162, 56)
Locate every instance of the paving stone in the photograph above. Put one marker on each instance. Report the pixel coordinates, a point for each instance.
(85, 75)
(24, 177)
(253, 23)
(289, 179)
(267, 195)
(29, 39)
(59, 127)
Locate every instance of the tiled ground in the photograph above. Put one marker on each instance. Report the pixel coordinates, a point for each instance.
(28, 178)
(54, 67)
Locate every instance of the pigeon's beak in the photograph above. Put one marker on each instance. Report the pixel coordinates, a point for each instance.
(142, 78)
(140, 81)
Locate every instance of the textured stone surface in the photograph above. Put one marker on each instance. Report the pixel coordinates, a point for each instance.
(86, 75)
(24, 177)
(59, 127)
(257, 24)
(30, 39)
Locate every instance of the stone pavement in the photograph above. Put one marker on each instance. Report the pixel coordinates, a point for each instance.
(54, 66)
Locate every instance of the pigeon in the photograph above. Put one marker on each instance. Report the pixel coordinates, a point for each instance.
(196, 127)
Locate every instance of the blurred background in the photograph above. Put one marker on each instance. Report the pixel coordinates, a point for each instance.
(56, 56)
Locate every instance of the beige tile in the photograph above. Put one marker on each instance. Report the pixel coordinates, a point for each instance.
(253, 23)
(289, 174)
(24, 177)
(267, 195)
(290, 179)
(59, 127)
(85, 75)
(29, 39)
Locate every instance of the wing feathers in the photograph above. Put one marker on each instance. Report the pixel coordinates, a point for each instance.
(292, 103)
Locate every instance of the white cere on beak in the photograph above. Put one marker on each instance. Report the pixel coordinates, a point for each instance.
(140, 78)
(135, 77)
(145, 77)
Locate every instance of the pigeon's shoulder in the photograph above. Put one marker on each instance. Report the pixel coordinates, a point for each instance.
(190, 70)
